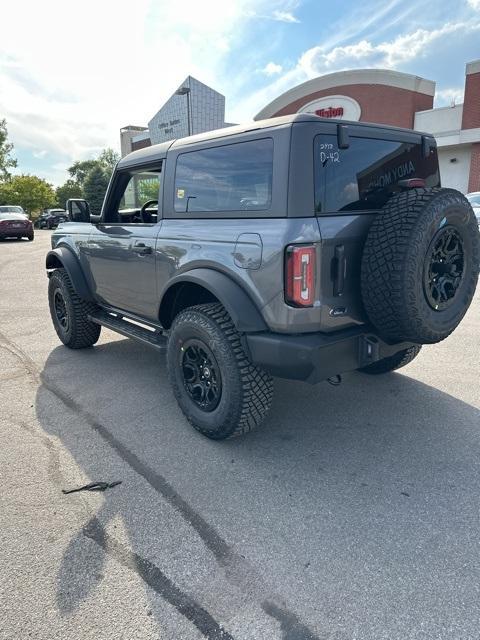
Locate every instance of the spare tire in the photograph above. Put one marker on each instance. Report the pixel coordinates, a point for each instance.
(420, 265)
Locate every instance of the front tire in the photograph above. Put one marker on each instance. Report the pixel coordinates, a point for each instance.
(397, 361)
(70, 313)
(31, 237)
(221, 393)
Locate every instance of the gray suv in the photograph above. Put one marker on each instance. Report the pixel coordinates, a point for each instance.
(297, 247)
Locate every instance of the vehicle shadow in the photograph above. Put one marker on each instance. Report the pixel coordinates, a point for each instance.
(345, 493)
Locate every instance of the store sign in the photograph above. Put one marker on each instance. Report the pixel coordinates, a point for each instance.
(341, 107)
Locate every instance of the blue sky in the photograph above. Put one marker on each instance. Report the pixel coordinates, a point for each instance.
(75, 73)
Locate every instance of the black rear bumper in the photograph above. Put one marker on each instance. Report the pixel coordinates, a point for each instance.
(314, 357)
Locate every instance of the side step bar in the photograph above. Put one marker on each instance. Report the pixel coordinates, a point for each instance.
(117, 323)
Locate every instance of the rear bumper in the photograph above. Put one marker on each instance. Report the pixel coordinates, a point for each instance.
(18, 233)
(314, 357)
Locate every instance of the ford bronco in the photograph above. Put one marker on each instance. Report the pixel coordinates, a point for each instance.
(299, 247)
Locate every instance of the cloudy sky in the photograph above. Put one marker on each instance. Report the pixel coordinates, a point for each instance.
(73, 73)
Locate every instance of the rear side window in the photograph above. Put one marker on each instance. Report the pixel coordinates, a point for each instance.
(365, 175)
(233, 177)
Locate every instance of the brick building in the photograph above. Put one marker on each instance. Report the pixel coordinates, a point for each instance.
(403, 100)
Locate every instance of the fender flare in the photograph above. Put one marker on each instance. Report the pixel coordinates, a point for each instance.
(243, 312)
(61, 257)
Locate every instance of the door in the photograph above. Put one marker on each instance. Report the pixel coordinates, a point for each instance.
(121, 248)
(351, 186)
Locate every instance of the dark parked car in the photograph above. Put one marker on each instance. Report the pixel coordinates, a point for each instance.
(297, 247)
(51, 218)
(14, 223)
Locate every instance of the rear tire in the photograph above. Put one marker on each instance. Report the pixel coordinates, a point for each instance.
(70, 313)
(221, 393)
(397, 361)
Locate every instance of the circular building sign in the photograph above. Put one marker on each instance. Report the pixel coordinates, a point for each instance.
(341, 107)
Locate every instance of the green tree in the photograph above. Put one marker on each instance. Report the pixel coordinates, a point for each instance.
(94, 188)
(6, 161)
(108, 159)
(70, 189)
(30, 192)
(80, 169)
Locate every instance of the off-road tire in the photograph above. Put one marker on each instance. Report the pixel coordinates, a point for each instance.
(394, 264)
(247, 391)
(80, 332)
(397, 361)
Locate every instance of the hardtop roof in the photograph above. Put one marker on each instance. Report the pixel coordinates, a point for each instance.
(159, 151)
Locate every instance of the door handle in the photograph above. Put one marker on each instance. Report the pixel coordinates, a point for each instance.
(142, 249)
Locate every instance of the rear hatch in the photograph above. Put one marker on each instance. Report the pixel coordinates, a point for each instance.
(355, 172)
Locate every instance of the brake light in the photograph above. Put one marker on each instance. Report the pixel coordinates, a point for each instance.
(300, 275)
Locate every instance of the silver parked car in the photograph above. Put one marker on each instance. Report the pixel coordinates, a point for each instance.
(474, 199)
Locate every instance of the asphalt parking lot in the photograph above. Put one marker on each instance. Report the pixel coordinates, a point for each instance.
(352, 514)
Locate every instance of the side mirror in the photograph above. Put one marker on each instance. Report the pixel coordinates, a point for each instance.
(78, 210)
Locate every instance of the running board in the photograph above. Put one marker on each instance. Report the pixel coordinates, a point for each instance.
(116, 323)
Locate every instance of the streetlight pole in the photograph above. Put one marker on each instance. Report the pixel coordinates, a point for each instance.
(185, 91)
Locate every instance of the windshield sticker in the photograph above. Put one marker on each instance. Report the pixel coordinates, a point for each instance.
(180, 193)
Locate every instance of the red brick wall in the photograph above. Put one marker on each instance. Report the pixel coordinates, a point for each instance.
(474, 178)
(141, 144)
(379, 103)
(471, 103)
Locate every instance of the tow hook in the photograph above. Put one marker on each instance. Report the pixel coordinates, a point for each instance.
(335, 380)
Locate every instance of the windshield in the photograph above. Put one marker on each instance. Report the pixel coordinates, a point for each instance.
(11, 209)
(12, 216)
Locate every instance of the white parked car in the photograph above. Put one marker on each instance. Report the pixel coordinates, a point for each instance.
(474, 199)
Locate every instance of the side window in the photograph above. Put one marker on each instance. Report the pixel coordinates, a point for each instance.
(134, 190)
(364, 176)
(233, 177)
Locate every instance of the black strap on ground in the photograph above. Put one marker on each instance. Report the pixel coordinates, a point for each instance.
(94, 486)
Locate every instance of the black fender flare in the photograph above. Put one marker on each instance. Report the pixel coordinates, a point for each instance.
(243, 312)
(64, 258)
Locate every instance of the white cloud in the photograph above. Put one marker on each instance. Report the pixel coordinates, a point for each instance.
(271, 69)
(475, 4)
(388, 54)
(449, 96)
(70, 90)
(284, 16)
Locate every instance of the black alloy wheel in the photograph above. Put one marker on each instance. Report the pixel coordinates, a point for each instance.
(61, 311)
(444, 268)
(201, 374)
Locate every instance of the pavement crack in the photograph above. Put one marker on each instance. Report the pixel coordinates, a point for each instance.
(158, 581)
(237, 570)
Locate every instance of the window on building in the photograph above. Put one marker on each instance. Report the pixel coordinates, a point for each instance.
(364, 176)
(233, 177)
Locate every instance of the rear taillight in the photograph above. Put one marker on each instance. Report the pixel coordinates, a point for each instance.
(300, 275)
